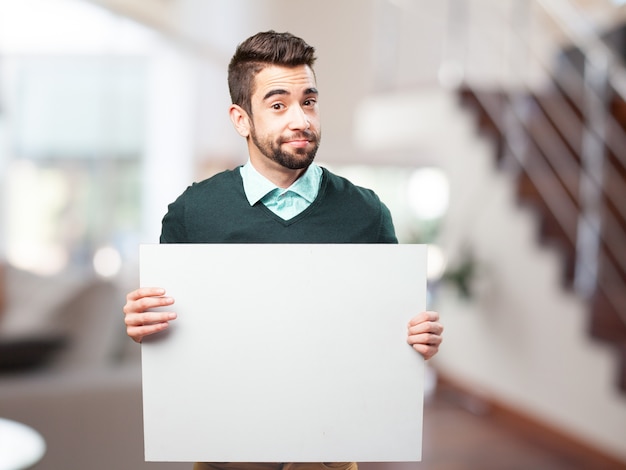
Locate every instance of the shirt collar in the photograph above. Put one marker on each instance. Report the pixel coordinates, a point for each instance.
(256, 186)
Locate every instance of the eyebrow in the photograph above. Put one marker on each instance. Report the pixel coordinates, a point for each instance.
(280, 91)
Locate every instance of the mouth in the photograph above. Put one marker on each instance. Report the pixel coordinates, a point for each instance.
(300, 140)
(297, 143)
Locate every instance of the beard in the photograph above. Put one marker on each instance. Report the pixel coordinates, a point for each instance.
(299, 159)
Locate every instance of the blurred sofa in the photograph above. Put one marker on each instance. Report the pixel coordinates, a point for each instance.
(58, 323)
(68, 370)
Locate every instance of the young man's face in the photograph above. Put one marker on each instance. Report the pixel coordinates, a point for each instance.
(285, 122)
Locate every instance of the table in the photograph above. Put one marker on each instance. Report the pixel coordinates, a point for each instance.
(20, 446)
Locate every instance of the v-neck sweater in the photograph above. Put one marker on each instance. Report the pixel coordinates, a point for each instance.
(216, 210)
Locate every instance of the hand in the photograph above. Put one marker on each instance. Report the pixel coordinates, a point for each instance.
(425, 333)
(139, 321)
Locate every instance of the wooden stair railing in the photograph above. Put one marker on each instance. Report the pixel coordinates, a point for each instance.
(547, 162)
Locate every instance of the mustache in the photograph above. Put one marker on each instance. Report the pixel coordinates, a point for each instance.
(303, 135)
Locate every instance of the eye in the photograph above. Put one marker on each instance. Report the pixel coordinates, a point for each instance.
(310, 102)
(277, 106)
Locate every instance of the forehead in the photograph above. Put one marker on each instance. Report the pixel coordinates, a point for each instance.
(292, 79)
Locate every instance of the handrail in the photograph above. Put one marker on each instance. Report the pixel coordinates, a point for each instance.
(616, 141)
(583, 36)
(566, 122)
(598, 135)
(609, 135)
(556, 199)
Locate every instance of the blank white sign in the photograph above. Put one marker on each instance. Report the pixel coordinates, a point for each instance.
(284, 353)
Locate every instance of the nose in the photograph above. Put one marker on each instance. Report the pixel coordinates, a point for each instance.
(298, 118)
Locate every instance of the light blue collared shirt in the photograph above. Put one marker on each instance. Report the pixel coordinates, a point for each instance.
(285, 203)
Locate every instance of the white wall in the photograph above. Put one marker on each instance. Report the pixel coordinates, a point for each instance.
(523, 339)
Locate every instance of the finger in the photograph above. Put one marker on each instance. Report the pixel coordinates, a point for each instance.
(142, 304)
(137, 333)
(429, 339)
(145, 292)
(422, 317)
(146, 303)
(426, 350)
(149, 318)
(426, 327)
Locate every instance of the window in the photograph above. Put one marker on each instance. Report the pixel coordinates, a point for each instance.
(72, 118)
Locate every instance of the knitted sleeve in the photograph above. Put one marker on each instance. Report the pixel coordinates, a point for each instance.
(173, 228)
(387, 230)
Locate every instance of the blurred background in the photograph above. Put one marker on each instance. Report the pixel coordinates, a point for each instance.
(493, 129)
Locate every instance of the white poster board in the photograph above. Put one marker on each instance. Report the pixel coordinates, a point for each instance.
(284, 353)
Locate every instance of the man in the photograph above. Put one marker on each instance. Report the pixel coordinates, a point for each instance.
(279, 195)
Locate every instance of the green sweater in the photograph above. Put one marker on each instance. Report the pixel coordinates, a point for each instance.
(216, 211)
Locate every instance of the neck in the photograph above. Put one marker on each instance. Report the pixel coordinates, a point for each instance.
(276, 173)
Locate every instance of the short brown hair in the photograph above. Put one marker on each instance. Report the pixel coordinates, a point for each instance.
(256, 53)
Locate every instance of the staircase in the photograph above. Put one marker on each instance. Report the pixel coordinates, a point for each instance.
(566, 149)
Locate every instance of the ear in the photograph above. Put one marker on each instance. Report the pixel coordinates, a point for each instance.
(240, 120)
